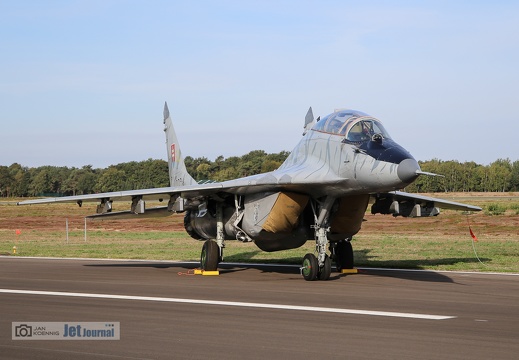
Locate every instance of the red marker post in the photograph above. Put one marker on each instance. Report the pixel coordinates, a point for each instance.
(18, 232)
(472, 234)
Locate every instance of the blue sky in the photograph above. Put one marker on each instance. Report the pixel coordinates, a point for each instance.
(84, 82)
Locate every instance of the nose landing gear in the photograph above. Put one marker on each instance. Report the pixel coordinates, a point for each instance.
(319, 267)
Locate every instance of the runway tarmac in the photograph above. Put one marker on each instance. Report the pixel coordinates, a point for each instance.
(255, 311)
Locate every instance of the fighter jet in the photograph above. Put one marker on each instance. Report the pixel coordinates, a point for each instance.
(343, 162)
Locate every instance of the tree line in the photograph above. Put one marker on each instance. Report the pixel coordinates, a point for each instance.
(18, 181)
(500, 176)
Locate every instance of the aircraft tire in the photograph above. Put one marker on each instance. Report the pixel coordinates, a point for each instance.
(326, 270)
(210, 256)
(344, 255)
(310, 267)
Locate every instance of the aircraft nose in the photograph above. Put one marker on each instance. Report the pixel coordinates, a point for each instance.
(407, 170)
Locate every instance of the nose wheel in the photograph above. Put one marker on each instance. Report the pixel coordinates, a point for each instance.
(312, 271)
(310, 267)
(326, 269)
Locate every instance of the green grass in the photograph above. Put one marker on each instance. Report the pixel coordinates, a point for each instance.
(441, 243)
(408, 252)
(101, 244)
(451, 253)
(495, 209)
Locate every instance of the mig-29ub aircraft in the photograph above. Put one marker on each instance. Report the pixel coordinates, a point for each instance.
(321, 192)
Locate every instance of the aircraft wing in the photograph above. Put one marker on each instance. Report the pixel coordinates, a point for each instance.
(241, 186)
(128, 195)
(148, 194)
(171, 195)
(250, 184)
(414, 205)
(444, 204)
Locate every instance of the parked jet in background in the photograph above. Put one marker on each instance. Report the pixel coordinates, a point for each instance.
(320, 192)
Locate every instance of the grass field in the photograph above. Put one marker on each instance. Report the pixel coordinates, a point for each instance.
(440, 243)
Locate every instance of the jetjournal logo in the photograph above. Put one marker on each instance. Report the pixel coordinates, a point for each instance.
(66, 331)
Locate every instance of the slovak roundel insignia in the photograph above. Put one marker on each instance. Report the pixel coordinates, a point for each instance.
(173, 153)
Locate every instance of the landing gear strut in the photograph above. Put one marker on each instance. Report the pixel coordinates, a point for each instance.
(212, 251)
(321, 266)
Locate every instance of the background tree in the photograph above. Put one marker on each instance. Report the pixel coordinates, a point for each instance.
(514, 177)
(19, 181)
(81, 181)
(111, 179)
(41, 183)
(22, 180)
(6, 181)
(500, 175)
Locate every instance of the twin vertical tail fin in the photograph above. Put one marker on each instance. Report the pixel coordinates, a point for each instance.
(309, 121)
(178, 175)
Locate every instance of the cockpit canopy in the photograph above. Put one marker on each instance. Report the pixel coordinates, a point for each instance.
(354, 125)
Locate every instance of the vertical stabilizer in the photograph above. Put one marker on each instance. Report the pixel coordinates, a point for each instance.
(309, 120)
(178, 175)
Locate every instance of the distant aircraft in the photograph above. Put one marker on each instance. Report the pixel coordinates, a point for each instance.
(343, 162)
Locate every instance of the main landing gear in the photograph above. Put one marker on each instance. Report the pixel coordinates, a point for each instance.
(212, 251)
(343, 252)
(210, 256)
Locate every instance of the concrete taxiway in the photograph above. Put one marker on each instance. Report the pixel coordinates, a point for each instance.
(257, 311)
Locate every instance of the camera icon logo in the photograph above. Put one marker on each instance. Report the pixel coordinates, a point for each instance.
(23, 330)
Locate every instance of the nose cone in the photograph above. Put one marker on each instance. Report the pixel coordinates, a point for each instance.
(407, 170)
